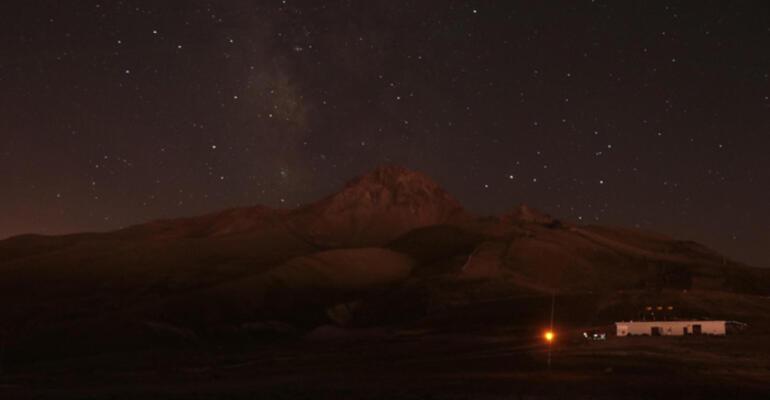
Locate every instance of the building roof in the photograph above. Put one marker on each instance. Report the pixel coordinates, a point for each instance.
(671, 321)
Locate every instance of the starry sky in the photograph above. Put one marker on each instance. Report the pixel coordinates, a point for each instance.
(653, 115)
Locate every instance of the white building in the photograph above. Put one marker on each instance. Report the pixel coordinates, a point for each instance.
(671, 328)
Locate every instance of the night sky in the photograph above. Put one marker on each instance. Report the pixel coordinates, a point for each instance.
(653, 115)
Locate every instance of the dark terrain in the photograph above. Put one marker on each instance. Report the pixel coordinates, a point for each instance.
(387, 289)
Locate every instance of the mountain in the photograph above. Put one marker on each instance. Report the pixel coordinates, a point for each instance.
(524, 213)
(370, 210)
(376, 208)
(391, 248)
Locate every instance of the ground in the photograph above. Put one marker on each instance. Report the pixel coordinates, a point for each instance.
(377, 364)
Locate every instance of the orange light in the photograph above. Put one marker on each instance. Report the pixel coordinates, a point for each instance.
(549, 336)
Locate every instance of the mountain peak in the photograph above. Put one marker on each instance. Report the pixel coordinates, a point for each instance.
(381, 205)
(393, 176)
(525, 213)
(396, 185)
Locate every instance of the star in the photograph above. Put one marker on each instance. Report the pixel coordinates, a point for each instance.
(463, 94)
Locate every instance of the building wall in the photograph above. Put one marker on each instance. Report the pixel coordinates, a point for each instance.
(669, 328)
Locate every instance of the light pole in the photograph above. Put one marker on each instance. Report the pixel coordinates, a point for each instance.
(549, 334)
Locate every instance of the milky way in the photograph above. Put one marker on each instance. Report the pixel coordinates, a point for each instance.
(653, 116)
